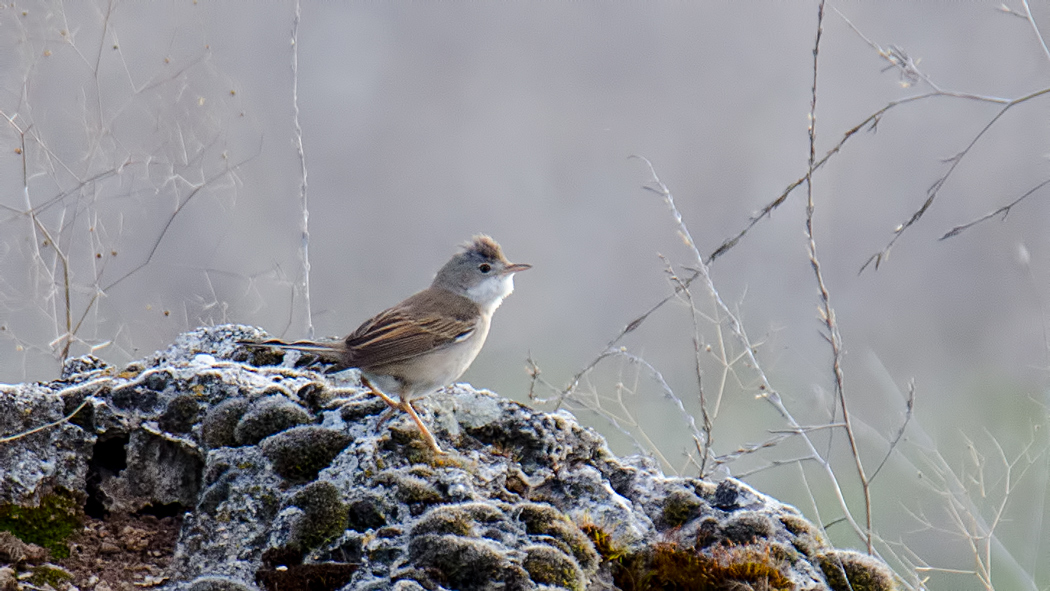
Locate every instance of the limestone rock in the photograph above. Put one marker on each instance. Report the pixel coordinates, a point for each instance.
(287, 478)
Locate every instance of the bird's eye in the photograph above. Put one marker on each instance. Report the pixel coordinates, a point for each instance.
(484, 267)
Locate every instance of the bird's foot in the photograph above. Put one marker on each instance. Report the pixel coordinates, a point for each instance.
(406, 406)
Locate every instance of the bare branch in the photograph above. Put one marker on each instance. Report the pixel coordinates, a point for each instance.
(1001, 212)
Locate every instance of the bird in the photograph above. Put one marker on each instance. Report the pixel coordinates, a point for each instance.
(427, 341)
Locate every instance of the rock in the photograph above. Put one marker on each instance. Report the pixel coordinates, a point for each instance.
(286, 478)
(15, 551)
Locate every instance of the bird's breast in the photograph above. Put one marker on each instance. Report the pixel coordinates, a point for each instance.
(421, 375)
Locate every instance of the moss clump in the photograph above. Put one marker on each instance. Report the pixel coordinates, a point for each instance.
(680, 506)
(221, 422)
(671, 566)
(545, 520)
(708, 532)
(445, 520)
(324, 517)
(808, 539)
(367, 513)
(267, 416)
(546, 565)
(456, 519)
(687, 569)
(747, 527)
(846, 570)
(49, 525)
(261, 356)
(180, 414)
(50, 575)
(410, 489)
(298, 454)
(465, 563)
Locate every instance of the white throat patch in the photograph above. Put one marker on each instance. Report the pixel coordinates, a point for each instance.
(489, 294)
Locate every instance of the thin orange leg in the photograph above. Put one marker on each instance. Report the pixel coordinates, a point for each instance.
(406, 406)
(388, 400)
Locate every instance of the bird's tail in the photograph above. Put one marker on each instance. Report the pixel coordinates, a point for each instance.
(325, 352)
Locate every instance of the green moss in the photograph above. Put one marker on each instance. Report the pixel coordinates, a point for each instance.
(545, 520)
(407, 441)
(180, 414)
(456, 519)
(465, 563)
(680, 506)
(481, 512)
(49, 574)
(608, 547)
(298, 454)
(674, 567)
(421, 471)
(267, 416)
(367, 513)
(798, 525)
(49, 525)
(708, 532)
(670, 566)
(264, 356)
(546, 565)
(748, 526)
(534, 515)
(221, 421)
(852, 571)
(410, 489)
(325, 515)
(445, 520)
(808, 539)
(408, 444)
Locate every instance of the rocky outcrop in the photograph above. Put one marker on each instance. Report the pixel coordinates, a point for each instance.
(284, 478)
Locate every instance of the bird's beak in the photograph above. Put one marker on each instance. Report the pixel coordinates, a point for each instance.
(515, 267)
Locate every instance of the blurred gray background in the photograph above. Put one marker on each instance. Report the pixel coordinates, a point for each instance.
(160, 155)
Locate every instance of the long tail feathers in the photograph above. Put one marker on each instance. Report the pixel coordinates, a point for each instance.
(328, 352)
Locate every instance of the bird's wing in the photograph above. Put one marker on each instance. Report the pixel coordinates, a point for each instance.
(414, 327)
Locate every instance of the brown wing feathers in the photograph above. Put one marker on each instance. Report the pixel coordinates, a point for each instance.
(409, 329)
(413, 327)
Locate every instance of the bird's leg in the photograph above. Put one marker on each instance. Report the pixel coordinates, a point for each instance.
(388, 400)
(407, 407)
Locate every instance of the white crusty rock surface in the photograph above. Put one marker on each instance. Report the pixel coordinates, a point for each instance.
(286, 478)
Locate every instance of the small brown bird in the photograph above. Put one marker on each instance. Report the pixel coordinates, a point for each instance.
(427, 341)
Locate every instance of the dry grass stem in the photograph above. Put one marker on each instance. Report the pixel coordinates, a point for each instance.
(827, 313)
